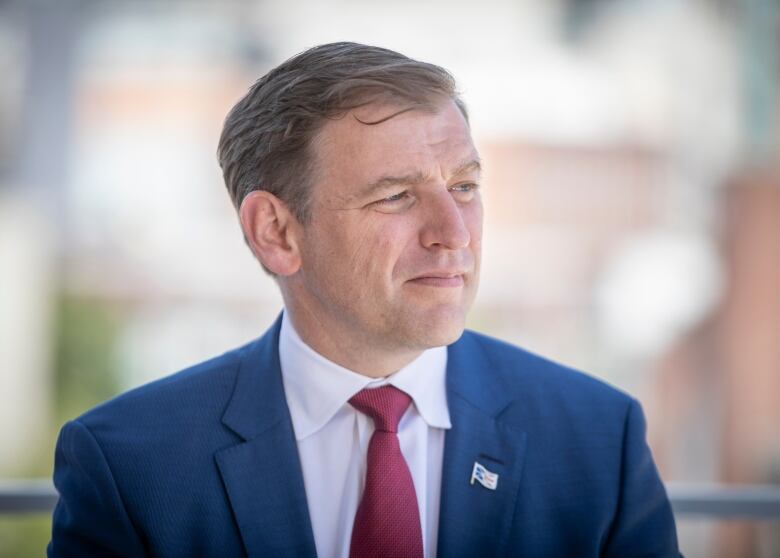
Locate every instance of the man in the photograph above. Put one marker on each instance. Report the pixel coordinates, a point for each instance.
(365, 422)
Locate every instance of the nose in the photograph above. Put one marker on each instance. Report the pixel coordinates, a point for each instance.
(445, 226)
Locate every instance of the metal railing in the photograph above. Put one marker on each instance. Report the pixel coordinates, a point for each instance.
(725, 501)
(27, 496)
(715, 501)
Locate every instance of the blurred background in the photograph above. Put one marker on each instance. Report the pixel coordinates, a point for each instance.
(632, 194)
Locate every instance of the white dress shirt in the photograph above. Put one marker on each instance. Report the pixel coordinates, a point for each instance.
(333, 437)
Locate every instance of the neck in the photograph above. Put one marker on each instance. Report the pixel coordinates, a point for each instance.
(357, 355)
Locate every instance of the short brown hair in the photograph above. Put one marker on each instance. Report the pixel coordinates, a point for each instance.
(266, 139)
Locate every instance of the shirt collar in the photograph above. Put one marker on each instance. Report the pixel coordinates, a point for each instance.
(316, 388)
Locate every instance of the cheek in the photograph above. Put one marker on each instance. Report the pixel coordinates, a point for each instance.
(473, 217)
(368, 250)
(385, 247)
(398, 247)
(365, 254)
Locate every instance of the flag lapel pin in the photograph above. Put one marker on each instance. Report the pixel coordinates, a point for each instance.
(484, 477)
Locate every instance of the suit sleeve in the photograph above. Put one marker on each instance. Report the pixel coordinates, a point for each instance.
(90, 518)
(644, 524)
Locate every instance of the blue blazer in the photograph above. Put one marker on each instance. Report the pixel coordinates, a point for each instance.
(205, 463)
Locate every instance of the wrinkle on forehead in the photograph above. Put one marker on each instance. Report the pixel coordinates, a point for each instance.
(353, 153)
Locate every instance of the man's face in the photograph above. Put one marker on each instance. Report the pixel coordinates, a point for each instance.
(390, 259)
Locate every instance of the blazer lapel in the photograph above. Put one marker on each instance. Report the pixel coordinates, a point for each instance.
(475, 520)
(262, 474)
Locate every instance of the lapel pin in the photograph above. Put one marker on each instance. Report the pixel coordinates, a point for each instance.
(484, 477)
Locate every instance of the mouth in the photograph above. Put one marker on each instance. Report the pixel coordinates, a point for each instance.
(439, 279)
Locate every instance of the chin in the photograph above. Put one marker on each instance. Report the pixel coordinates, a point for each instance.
(439, 330)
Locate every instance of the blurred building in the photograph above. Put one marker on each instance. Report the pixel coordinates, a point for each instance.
(623, 235)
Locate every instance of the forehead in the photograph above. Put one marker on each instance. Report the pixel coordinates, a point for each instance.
(390, 138)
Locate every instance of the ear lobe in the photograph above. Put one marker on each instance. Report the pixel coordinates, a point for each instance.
(269, 228)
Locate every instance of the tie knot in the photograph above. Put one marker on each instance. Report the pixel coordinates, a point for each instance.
(385, 405)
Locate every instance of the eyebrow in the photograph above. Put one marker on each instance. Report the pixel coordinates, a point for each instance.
(418, 177)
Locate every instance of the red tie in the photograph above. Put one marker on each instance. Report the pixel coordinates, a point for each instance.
(387, 522)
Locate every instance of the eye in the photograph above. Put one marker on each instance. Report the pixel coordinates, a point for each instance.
(395, 197)
(394, 203)
(464, 192)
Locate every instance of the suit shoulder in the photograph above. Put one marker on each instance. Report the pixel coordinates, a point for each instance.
(205, 386)
(526, 372)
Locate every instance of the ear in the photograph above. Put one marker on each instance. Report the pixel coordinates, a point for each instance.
(271, 231)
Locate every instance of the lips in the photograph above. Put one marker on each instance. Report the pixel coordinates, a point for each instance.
(440, 279)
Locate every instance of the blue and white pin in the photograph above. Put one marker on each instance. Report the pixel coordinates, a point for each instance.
(484, 477)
